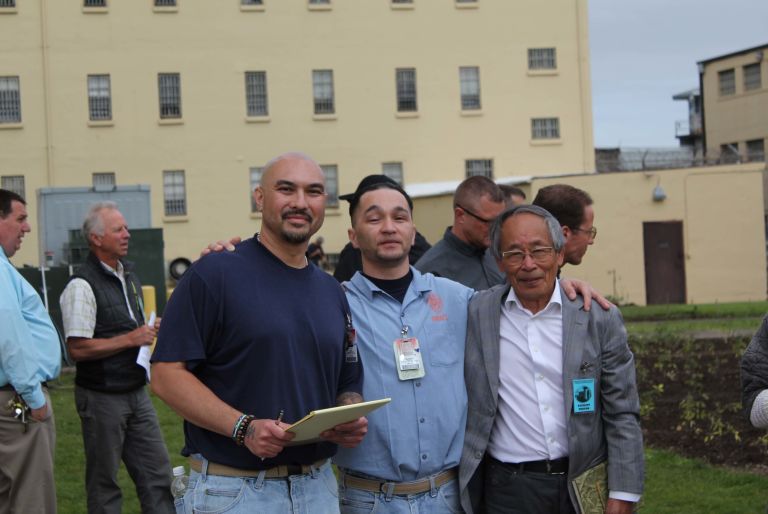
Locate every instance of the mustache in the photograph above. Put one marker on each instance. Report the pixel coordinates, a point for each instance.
(297, 212)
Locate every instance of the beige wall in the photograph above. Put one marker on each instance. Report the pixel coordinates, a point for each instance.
(212, 44)
(721, 209)
(739, 117)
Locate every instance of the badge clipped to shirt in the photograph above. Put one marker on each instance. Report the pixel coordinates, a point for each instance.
(350, 348)
(583, 395)
(408, 359)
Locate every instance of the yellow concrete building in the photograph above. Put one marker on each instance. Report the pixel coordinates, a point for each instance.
(735, 105)
(192, 97)
(699, 239)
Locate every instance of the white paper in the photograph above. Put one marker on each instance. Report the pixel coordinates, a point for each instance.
(145, 352)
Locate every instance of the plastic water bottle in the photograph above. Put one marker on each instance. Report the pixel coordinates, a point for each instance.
(179, 483)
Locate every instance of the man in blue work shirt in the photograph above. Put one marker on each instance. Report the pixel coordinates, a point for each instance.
(30, 354)
(410, 334)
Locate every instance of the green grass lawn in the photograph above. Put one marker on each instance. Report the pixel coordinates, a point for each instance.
(673, 485)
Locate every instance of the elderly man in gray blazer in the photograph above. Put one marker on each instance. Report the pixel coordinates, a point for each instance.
(551, 388)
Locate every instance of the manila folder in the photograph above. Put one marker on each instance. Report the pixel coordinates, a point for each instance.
(309, 428)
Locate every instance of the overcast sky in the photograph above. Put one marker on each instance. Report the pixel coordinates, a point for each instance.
(645, 51)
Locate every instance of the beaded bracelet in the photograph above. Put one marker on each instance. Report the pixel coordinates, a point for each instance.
(242, 427)
(237, 425)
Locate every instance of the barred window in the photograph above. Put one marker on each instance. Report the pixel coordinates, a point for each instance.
(95, 3)
(13, 183)
(169, 87)
(7, 3)
(255, 180)
(727, 80)
(256, 93)
(406, 89)
(393, 170)
(99, 97)
(752, 79)
(317, 2)
(322, 88)
(756, 150)
(174, 193)
(469, 78)
(331, 172)
(481, 167)
(165, 3)
(402, 1)
(545, 128)
(104, 181)
(251, 2)
(10, 100)
(542, 59)
(466, 1)
(729, 153)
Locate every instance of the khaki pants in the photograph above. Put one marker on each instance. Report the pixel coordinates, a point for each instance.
(26, 462)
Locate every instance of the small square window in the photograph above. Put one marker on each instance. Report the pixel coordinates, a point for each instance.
(405, 79)
(14, 183)
(10, 100)
(752, 78)
(256, 93)
(169, 88)
(481, 167)
(545, 128)
(7, 3)
(756, 150)
(165, 3)
(255, 180)
(729, 153)
(727, 80)
(322, 88)
(331, 172)
(104, 181)
(393, 170)
(174, 193)
(542, 59)
(95, 3)
(251, 2)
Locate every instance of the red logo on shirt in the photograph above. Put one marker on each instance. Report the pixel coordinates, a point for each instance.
(435, 303)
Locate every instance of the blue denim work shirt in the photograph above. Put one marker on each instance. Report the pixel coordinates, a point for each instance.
(421, 431)
(30, 352)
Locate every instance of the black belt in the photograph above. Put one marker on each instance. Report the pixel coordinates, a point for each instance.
(550, 467)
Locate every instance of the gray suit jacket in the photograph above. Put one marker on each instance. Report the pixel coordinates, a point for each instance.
(594, 346)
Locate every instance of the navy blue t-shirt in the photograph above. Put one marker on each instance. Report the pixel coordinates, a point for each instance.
(264, 337)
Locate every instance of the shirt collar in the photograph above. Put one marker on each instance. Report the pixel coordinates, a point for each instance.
(419, 283)
(555, 299)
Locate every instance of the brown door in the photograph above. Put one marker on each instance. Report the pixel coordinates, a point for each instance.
(664, 262)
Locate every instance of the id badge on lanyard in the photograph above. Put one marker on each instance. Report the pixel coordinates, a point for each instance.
(408, 359)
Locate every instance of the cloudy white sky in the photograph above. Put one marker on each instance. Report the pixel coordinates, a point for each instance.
(645, 51)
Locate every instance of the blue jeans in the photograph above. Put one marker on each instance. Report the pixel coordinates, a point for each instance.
(443, 499)
(314, 493)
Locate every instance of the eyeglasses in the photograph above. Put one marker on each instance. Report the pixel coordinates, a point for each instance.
(479, 218)
(540, 255)
(592, 231)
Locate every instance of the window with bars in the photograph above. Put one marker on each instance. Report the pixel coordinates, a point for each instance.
(165, 3)
(469, 79)
(393, 170)
(99, 97)
(251, 2)
(727, 79)
(545, 128)
(256, 93)
(542, 59)
(319, 2)
(13, 183)
(10, 100)
(174, 193)
(729, 153)
(322, 90)
(331, 172)
(402, 1)
(255, 180)
(752, 78)
(103, 181)
(95, 3)
(7, 3)
(405, 79)
(756, 150)
(169, 89)
(481, 167)
(466, 1)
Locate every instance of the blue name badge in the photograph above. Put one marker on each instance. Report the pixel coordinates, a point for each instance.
(583, 395)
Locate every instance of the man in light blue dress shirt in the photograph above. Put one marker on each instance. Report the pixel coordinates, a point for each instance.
(30, 354)
(410, 330)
